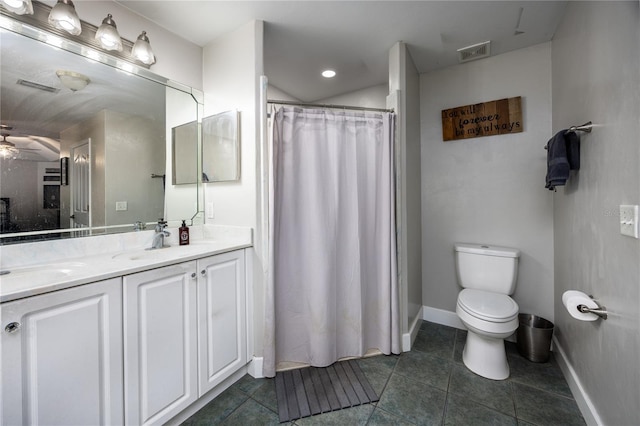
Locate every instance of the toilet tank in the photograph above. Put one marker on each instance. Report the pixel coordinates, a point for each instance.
(486, 267)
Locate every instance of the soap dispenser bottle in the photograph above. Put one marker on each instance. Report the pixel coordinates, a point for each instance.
(184, 234)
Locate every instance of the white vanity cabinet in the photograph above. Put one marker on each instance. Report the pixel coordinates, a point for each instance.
(185, 332)
(62, 357)
(222, 337)
(160, 355)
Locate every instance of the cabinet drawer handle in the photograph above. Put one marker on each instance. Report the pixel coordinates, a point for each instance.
(193, 275)
(203, 272)
(12, 327)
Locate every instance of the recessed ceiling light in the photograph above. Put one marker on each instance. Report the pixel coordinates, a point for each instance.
(328, 73)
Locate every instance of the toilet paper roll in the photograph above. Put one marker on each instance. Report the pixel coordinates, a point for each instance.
(573, 298)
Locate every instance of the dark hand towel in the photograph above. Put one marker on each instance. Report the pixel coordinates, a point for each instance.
(557, 161)
(572, 142)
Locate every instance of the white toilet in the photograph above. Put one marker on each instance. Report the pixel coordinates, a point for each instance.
(488, 276)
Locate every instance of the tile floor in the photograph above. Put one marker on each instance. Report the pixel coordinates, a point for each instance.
(427, 386)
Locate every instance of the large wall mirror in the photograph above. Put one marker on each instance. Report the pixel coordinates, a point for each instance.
(90, 141)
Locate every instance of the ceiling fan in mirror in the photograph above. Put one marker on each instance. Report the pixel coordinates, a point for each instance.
(27, 147)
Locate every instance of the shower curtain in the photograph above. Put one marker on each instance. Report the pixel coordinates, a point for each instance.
(332, 288)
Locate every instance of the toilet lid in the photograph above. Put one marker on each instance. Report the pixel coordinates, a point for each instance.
(487, 305)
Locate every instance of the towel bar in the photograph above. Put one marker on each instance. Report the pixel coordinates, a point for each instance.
(586, 127)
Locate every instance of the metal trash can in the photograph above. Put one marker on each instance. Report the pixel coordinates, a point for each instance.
(534, 337)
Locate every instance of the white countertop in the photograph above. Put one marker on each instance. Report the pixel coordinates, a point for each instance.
(64, 272)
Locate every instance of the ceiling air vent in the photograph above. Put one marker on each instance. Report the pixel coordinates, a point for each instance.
(473, 52)
(38, 86)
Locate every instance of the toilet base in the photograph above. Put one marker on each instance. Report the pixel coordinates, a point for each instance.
(486, 356)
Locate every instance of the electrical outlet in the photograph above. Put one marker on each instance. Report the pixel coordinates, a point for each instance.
(121, 206)
(210, 214)
(629, 221)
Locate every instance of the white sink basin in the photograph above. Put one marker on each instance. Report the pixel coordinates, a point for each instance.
(58, 270)
(144, 254)
(168, 252)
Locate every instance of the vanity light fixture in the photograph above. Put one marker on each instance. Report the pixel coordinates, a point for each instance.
(92, 54)
(63, 24)
(108, 36)
(72, 80)
(54, 40)
(142, 50)
(126, 67)
(19, 7)
(63, 16)
(328, 73)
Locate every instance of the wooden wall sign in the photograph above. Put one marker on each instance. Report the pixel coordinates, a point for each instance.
(499, 117)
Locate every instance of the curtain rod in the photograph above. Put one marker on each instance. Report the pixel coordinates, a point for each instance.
(300, 104)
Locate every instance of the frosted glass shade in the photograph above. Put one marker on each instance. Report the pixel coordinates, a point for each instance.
(64, 17)
(142, 50)
(19, 7)
(108, 35)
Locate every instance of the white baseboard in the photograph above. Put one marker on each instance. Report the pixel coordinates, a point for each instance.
(254, 369)
(440, 316)
(410, 337)
(587, 408)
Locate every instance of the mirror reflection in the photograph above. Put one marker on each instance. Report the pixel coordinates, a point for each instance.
(221, 147)
(110, 126)
(185, 153)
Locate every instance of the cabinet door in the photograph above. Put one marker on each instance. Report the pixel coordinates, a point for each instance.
(222, 318)
(160, 343)
(62, 357)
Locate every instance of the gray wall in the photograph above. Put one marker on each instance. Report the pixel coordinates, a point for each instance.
(596, 77)
(136, 144)
(488, 189)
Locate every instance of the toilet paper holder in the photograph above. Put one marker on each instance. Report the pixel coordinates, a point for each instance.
(600, 311)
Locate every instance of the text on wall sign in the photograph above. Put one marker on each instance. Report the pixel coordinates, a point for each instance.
(499, 117)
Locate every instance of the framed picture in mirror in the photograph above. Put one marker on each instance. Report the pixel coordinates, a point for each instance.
(64, 171)
(221, 147)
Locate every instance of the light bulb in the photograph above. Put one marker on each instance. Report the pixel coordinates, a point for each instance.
(64, 17)
(142, 50)
(108, 35)
(19, 7)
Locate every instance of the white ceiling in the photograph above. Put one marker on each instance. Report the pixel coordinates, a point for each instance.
(354, 37)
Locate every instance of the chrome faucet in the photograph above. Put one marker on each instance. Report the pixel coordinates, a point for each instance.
(158, 237)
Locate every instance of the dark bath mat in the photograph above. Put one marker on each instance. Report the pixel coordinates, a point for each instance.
(308, 391)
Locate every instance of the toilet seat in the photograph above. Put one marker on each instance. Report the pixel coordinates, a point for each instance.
(488, 306)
